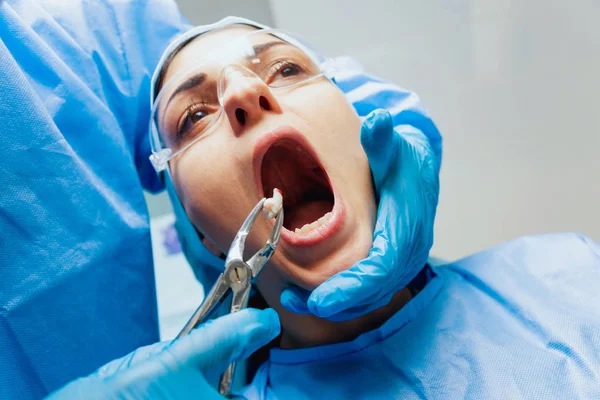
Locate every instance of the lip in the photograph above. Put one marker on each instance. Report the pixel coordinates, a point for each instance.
(338, 213)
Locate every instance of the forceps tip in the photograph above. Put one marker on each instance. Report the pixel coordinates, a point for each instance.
(236, 250)
(251, 218)
(276, 232)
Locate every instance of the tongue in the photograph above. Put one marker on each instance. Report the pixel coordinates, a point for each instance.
(306, 213)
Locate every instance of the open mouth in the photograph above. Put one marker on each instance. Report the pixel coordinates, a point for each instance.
(308, 197)
(285, 159)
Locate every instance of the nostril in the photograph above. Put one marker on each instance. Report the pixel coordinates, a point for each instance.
(264, 103)
(240, 115)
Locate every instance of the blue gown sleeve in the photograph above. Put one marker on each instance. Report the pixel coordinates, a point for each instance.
(122, 42)
(77, 287)
(146, 28)
(367, 93)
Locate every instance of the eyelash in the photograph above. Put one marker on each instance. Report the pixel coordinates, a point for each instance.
(278, 66)
(192, 106)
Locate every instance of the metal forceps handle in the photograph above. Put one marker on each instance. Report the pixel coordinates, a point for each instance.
(237, 277)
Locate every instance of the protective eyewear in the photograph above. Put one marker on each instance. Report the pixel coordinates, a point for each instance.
(190, 104)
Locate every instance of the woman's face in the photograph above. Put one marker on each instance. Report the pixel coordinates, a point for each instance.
(303, 140)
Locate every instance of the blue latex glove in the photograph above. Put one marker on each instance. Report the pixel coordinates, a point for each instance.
(405, 172)
(181, 369)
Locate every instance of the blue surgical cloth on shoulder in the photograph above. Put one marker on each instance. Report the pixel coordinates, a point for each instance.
(367, 93)
(77, 282)
(518, 321)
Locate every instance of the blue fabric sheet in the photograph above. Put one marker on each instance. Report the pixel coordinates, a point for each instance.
(518, 321)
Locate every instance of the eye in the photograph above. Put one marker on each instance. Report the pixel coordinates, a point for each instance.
(193, 115)
(285, 71)
(289, 70)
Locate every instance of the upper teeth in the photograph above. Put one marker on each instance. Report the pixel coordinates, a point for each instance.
(313, 225)
(272, 206)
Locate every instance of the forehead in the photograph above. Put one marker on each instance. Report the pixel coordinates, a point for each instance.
(204, 45)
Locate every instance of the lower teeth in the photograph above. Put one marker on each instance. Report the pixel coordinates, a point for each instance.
(313, 225)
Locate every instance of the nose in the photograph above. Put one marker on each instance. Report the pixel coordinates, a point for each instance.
(246, 99)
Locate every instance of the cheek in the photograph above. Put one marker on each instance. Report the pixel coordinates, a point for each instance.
(335, 132)
(333, 121)
(198, 176)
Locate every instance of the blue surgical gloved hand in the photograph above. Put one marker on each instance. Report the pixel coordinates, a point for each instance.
(180, 369)
(405, 173)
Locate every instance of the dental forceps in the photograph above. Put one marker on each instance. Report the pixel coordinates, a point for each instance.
(238, 277)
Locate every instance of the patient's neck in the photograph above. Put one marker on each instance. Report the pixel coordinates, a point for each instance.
(301, 331)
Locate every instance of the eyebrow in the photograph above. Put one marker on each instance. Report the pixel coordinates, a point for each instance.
(190, 83)
(199, 78)
(261, 48)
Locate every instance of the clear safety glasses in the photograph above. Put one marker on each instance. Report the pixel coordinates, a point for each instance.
(190, 104)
